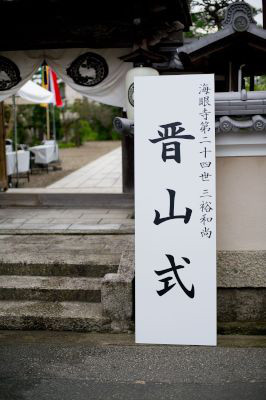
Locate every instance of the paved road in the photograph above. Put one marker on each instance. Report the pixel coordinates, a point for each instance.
(58, 366)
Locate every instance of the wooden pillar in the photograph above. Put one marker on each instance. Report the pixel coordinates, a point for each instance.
(234, 78)
(3, 176)
(128, 163)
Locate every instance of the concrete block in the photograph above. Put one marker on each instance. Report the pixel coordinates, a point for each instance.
(10, 226)
(57, 316)
(85, 200)
(116, 293)
(52, 288)
(95, 266)
(239, 269)
(89, 227)
(245, 304)
(72, 221)
(31, 226)
(120, 215)
(15, 220)
(116, 221)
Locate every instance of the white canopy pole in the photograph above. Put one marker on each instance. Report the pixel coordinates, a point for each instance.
(30, 93)
(15, 135)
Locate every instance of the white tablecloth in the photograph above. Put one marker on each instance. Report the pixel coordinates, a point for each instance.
(45, 153)
(23, 162)
(53, 143)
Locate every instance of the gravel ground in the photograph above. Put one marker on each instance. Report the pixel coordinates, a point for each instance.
(71, 160)
(74, 366)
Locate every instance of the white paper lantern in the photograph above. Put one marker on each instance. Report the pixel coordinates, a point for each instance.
(139, 71)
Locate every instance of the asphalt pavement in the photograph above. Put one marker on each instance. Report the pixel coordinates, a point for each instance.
(73, 366)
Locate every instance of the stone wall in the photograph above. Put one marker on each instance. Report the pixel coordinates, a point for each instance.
(241, 293)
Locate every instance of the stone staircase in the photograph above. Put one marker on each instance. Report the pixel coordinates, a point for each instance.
(56, 285)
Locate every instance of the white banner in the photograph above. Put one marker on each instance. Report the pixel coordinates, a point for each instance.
(98, 74)
(175, 210)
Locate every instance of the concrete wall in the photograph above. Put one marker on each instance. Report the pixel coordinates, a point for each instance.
(241, 203)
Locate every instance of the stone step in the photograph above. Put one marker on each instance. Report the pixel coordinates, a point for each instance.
(95, 267)
(50, 289)
(44, 198)
(58, 316)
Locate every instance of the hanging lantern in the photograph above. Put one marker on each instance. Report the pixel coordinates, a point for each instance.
(142, 60)
(139, 71)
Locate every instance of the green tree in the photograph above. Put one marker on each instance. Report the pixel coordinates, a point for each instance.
(92, 121)
(207, 16)
(31, 123)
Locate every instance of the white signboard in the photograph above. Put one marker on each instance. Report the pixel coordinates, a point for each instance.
(175, 210)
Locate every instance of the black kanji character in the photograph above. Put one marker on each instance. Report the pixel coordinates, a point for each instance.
(171, 131)
(174, 268)
(158, 220)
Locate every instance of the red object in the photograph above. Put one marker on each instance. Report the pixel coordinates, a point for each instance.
(55, 88)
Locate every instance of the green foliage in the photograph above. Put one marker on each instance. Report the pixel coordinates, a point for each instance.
(31, 123)
(82, 121)
(85, 121)
(207, 16)
(66, 145)
(260, 83)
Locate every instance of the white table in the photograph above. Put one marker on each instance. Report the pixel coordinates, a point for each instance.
(45, 153)
(23, 162)
(55, 144)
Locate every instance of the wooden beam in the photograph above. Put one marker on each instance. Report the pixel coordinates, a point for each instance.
(3, 176)
(99, 24)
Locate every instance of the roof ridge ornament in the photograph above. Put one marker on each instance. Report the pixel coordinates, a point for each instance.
(239, 15)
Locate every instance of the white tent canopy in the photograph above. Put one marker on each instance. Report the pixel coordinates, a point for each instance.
(31, 93)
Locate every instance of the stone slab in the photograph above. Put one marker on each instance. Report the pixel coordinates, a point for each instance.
(69, 316)
(49, 283)
(10, 226)
(51, 288)
(42, 226)
(17, 220)
(90, 227)
(123, 230)
(118, 339)
(70, 221)
(238, 269)
(257, 328)
(119, 221)
(93, 267)
(245, 304)
(42, 198)
(69, 249)
(117, 292)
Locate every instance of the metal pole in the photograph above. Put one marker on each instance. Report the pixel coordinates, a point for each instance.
(54, 126)
(240, 77)
(54, 130)
(48, 122)
(230, 76)
(15, 135)
(3, 169)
